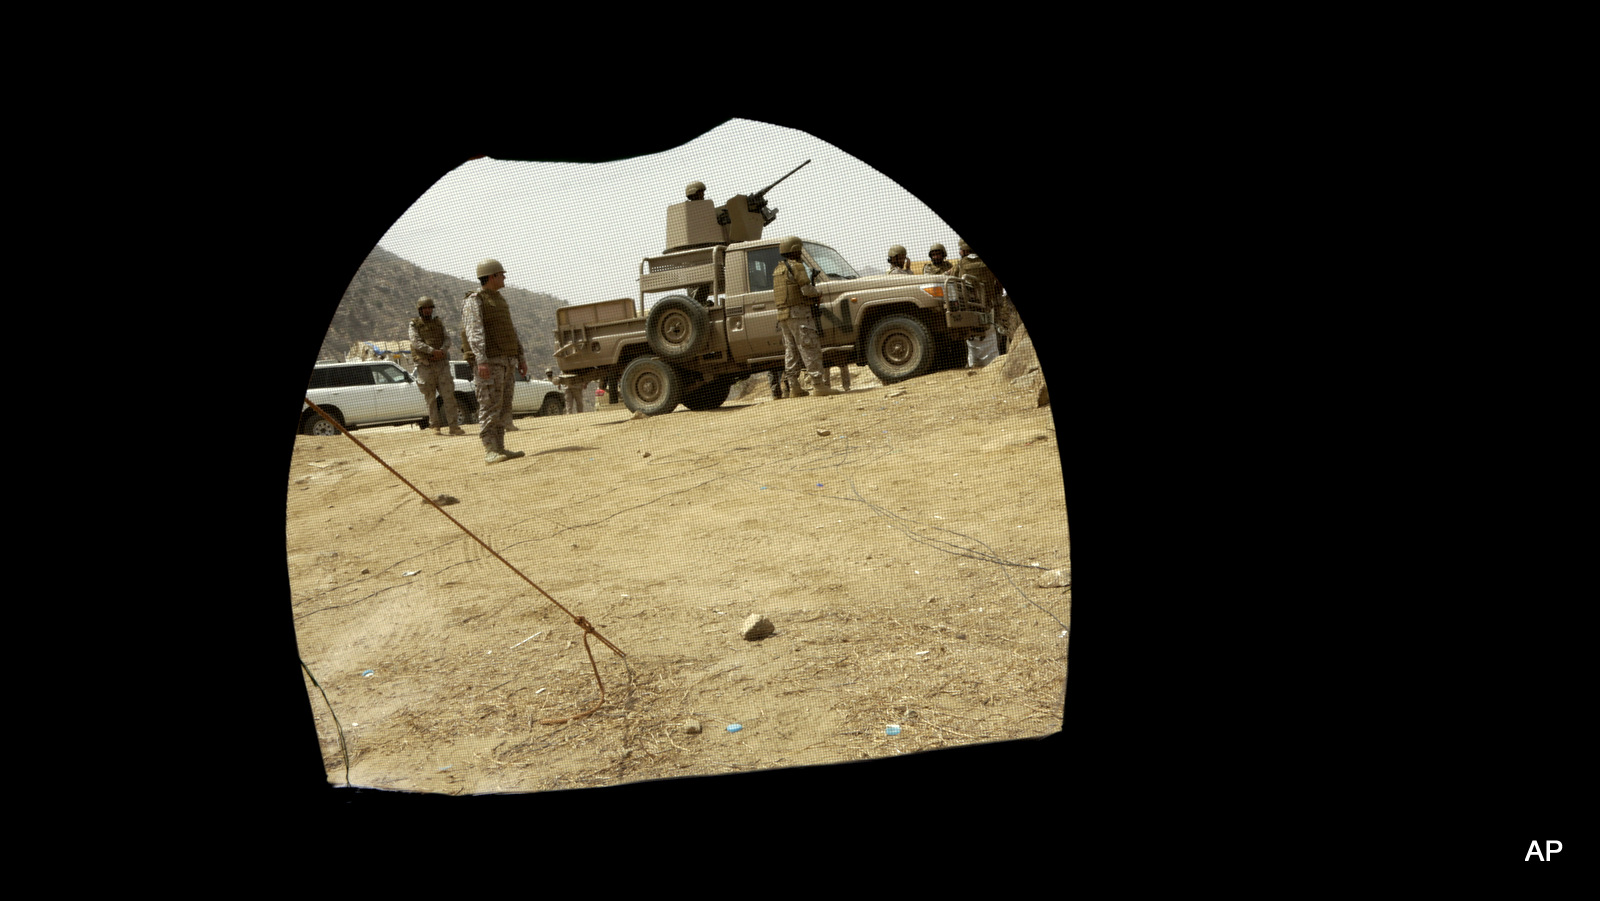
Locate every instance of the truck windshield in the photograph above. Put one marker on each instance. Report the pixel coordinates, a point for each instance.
(832, 264)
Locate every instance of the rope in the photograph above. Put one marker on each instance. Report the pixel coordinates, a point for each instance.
(582, 623)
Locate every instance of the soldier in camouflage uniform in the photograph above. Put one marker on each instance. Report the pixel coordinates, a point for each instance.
(433, 366)
(897, 261)
(792, 294)
(571, 391)
(937, 264)
(492, 340)
(1004, 312)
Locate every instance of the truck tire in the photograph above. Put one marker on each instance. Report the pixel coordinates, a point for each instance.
(466, 410)
(553, 406)
(900, 348)
(316, 425)
(651, 386)
(710, 395)
(677, 328)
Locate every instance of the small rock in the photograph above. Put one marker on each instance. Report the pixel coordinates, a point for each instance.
(692, 727)
(755, 627)
(1044, 395)
(646, 453)
(898, 392)
(444, 500)
(1056, 578)
(640, 415)
(823, 433)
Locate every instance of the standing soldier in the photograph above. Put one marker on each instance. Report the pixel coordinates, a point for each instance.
(792, 288)
(493, 342)
(978, 354)
(897, 261)
(433, 366)
(574, 393)
(937, 264)
(695, 190)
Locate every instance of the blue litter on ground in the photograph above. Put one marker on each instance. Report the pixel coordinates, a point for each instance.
(734, 727)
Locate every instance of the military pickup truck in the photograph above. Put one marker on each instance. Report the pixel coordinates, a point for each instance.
(705, 318)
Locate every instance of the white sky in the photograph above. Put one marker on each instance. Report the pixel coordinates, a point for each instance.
(578, 230)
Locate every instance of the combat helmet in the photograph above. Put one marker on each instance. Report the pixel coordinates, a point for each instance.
(695, 187)
(896, 251)
(790, 244)
(489, 267)
(425, 302)
(965, 248)
(938, 248)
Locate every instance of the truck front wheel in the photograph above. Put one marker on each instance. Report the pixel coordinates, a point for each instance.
(651, 386)
(900, 348)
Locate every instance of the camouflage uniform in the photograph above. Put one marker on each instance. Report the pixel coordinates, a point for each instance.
(899, 270)
(940, 268)
(492, 339)
(433, 375)
(800, 341)
(573, 391)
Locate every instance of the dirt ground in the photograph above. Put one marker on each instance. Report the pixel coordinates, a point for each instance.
(904, 540)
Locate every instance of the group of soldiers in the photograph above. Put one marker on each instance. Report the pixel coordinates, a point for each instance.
(493, 350)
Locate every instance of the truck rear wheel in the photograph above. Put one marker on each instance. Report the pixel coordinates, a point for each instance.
(677, 328)
(651, 386)
(900, 348)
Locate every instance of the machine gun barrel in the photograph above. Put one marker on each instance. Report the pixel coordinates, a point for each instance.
(755, 201)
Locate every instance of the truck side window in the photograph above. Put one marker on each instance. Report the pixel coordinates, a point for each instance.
(762, 263)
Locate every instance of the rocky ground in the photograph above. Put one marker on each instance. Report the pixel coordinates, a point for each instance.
(908, 544)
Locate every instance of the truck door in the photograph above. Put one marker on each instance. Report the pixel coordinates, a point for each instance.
(752, 317)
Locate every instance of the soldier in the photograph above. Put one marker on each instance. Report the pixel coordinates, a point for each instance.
(493, 342)
(506, 417)
(980, 351)
(695, 191)
(433, 367)
(574, 393)
(937, 264)
(792, 288)
(897, 261)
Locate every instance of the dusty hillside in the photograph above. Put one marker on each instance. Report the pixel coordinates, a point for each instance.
(905, 541)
